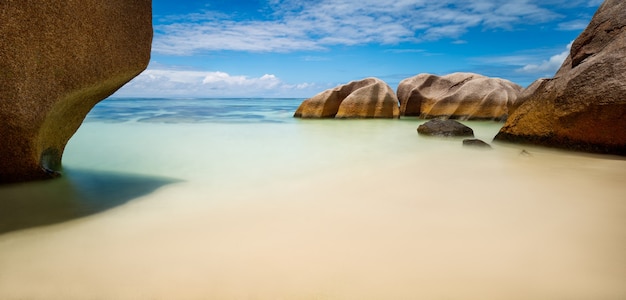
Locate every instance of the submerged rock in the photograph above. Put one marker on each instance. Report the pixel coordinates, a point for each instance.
(367, 98)
(584, 106)
(57, 60)
(476, 143)
(465, 96)
(450, 128)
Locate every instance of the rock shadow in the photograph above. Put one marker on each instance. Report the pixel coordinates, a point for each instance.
(77, 194)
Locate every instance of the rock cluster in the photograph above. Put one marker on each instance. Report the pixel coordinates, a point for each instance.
(465, 96)
(367, 98)
(584, 106)
(458, 96)
(57, 60)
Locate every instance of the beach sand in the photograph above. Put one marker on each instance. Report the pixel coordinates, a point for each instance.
(322, 210)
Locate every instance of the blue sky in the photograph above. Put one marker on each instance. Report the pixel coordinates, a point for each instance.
(295, 48)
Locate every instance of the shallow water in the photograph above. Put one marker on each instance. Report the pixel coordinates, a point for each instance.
(234, 199)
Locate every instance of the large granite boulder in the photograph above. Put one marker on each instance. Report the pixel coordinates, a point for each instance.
(57, 60)
(584, 106)
(465, 96)
(367, 98)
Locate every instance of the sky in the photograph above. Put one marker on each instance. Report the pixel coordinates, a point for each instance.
(298, 48)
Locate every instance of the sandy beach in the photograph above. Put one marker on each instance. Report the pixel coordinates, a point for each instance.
(319, 210)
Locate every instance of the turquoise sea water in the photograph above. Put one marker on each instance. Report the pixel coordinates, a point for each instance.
(235, 199)
(181, 110)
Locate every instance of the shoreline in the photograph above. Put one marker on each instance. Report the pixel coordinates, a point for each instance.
(366, 210)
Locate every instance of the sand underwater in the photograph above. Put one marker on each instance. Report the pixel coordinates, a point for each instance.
(235, 199)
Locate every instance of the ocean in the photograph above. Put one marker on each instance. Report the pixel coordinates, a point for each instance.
(236, 199)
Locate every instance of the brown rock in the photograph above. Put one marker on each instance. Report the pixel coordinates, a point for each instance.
(367, 98)
(57, 60)
(458, 96)
(476, 143)
(584, 106)
(525, 93)
(446, 128)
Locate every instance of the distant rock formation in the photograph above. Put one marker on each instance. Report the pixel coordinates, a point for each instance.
(465, 96)
(445, 128)
(584, 106)
(367, 98)
(57, 60)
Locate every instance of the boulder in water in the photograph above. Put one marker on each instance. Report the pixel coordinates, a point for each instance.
(447, 128)
(476, 143)
(466, 96)
(367, 98)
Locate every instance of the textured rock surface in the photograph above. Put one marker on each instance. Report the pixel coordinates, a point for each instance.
(439, 127)
(57, 60)
(457, 96)
(476, 143)
(584, 106)
(367, 98)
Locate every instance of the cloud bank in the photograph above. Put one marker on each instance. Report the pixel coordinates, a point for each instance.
(547, 68)
(294, 25)
(163, 82)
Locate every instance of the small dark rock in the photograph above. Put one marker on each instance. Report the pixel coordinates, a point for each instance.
(525, 153)
(438, 127)
(476, 143)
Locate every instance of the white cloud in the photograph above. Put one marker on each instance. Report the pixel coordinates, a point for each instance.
(185, 38)
(595, 2)
(522, 67)
(574, 25)
(164, 82)
(516, 60)
(547, 67)
(315, 25)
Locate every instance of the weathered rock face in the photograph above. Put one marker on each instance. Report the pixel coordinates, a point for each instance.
(367, 98)
(464, 96)
(57, 60)
(446, 128)
(584, 106)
